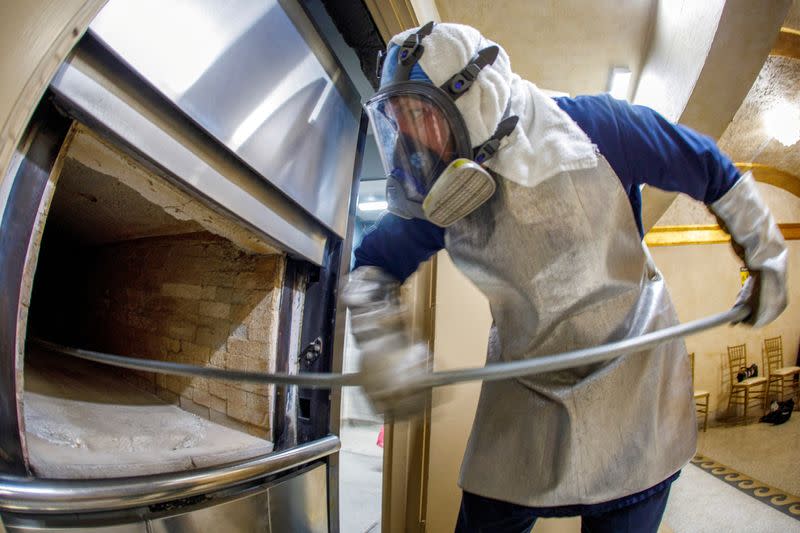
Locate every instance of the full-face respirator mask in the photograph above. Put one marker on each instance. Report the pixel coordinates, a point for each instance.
(433, 171)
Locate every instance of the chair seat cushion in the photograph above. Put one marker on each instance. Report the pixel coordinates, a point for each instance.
(749, 382)
(701, 393)
(785, 371)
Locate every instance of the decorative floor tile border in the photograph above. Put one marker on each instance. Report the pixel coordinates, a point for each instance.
(779, 500)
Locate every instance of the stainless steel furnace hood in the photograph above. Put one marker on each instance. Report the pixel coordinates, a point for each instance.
(257, 78)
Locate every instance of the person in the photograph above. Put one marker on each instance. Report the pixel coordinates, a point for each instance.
(537, 201)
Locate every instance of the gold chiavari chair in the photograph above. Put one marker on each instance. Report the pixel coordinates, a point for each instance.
(779, 376)
(701, 398)
(746, 391)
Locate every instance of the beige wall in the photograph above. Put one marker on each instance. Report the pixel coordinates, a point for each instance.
(194, 299)
(462, 331)
(784, 206)
(704, 279)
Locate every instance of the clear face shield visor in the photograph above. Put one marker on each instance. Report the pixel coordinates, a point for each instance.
(421, 139)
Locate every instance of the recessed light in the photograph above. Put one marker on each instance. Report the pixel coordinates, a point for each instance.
(782, 122)
(373, 206)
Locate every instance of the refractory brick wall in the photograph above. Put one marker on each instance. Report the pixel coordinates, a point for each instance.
(192, 299)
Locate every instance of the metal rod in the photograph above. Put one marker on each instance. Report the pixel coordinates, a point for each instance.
(496, 371)
(311, 380)
(550, 363)
(31, 495)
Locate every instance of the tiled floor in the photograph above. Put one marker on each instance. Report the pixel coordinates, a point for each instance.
(360, 479)
(770, 454)
(702, 503)
(715, 498)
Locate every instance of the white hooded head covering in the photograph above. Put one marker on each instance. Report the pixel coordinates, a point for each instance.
(546, 140)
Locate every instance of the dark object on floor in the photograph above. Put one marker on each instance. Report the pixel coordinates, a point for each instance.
(749, 372)
(779, 412)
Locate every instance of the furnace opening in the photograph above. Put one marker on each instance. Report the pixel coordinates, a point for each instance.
(128, 264)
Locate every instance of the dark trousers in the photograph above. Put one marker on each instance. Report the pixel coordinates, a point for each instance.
(485, 515)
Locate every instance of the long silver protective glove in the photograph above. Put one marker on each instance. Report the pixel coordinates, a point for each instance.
(758, 241)
(391, 365)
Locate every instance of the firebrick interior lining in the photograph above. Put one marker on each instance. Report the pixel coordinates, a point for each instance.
(86, 420)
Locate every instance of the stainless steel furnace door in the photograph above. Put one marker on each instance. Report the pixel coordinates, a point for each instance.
(257, 77)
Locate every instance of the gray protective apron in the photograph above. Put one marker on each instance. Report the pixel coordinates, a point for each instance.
(563, 267)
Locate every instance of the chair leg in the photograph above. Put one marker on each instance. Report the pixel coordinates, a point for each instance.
(705, 417)
(730, 398)
(746, 401)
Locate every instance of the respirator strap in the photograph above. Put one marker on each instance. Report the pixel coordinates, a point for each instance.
(410, 52)
(487, 150)
(463, 79)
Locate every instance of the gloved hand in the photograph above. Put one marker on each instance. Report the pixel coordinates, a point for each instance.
(758, 241)
(392, 380)
(391, 365)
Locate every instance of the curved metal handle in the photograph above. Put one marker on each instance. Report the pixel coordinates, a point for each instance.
(81, 495)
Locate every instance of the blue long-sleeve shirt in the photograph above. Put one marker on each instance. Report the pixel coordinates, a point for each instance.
(639, 144)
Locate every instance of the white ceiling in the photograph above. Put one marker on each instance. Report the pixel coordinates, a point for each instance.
(371, 191)
(562, 45)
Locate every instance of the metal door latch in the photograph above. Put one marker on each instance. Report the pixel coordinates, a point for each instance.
(311, 352)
